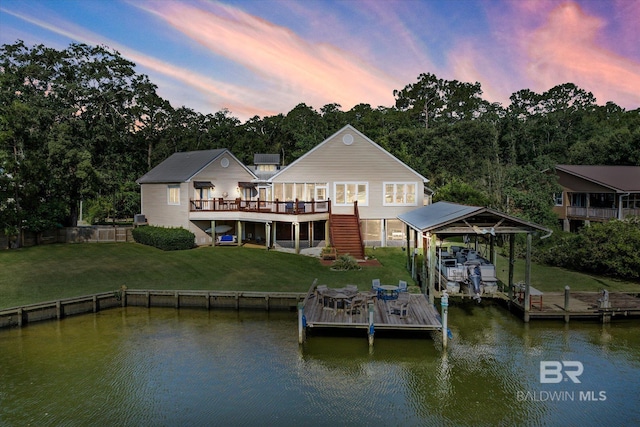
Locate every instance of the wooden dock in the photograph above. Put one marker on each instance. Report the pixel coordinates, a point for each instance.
(421, 316)
(583, 305)
(574, 305)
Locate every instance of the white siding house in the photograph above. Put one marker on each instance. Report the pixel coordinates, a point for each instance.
(204, 191)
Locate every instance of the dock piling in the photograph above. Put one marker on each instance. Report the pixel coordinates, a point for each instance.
(301, 325)
(371, 329)
(444, 303)
(566, 303)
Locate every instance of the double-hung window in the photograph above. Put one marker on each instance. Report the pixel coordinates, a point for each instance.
(346, 193)
(173, 194)
(557, 199)
(400, 193)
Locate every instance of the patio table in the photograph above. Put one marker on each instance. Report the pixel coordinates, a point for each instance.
(388, 292)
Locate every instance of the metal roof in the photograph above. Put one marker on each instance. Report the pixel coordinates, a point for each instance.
(266, 159)
(624, 179)
(180, 167)
(455, 219)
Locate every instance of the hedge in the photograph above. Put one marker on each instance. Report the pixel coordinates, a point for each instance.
(167, 239)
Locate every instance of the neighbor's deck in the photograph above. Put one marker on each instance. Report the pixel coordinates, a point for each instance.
(422, 316)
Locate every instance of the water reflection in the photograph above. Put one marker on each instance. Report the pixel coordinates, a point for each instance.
(138, 366)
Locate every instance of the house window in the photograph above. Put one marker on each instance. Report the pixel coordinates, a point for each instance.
(578, 200)
(557, 197)
(296, 190)
(173, 194)
(632, 201)
(400, 193)
(346, 193)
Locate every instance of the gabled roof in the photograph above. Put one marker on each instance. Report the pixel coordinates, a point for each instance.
(455, 219)
(352, 129)
(182, 167)
(625, 179)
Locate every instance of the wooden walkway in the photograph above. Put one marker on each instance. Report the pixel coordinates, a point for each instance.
(582, 305)
(421, 316)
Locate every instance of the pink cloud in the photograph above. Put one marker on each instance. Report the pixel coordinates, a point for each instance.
(566, 48)
(314, 73)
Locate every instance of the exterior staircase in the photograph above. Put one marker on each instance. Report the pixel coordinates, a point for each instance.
(345, 235)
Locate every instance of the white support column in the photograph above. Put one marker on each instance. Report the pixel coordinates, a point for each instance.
(239, 232)
(267, 234)
(327, 233)
(296, 234)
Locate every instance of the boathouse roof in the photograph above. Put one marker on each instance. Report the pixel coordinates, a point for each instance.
(456, 219)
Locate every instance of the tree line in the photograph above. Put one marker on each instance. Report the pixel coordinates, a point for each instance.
(80, 124)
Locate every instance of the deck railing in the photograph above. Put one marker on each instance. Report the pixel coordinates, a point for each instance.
(593, 213)
(297, 207)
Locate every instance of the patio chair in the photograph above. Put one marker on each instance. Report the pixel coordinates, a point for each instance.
(320, 289)
(351, 288)
(370, 296)
(402, 286)
(375, 284)
(401, 305)
(355, 304)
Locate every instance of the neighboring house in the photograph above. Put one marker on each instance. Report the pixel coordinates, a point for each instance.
(596, 193)
(346, 188)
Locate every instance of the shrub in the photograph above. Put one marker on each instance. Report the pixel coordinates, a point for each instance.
(167, 239)
(610, 249)
(345, 262)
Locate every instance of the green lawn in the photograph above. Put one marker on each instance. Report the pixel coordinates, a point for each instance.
(50, 272)
(550, 279)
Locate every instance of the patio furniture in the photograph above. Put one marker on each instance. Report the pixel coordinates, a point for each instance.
(401, 305)
(388, 292)
(355, 304)
(320, 290)
(375, 284)
(402, 286)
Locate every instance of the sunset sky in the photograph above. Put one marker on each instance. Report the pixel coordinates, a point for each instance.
(263, 57)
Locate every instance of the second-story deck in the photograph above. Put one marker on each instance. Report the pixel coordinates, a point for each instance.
(596, 213)
(297, 207)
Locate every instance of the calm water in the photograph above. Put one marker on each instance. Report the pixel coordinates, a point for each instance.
(162, 367)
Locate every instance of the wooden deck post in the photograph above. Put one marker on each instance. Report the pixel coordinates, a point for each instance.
(213, 232)
(566, 303)
(432, 266)
(512, 243)
(123, 295)
(371, 330)
(58, 310)
(444, 303)
(296, 234)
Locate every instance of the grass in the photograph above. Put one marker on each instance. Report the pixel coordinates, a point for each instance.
(554, 279)
(51, 272)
